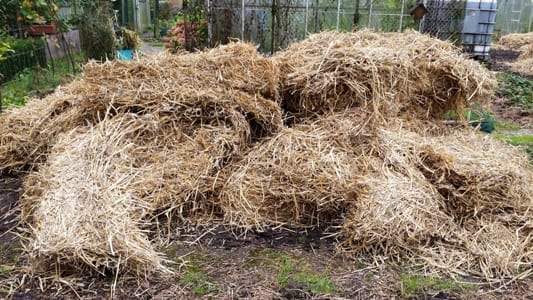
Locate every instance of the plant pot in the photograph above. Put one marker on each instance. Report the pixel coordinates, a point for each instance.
(126, 54)
(41, 29)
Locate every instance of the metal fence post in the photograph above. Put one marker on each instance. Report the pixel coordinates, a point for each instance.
(338, 14)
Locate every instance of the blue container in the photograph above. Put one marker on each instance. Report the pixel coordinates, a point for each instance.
(124, 54)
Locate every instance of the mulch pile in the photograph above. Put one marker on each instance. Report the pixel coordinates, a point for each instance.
(342, 131)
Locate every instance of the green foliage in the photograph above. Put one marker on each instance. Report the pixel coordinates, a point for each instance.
(97, 35)
(285, 269)
(22, 54)
(38, 11)
(188, 31)
(517, 90)
(33, 82)
(316, 283)
(196, 278)
(412, 285)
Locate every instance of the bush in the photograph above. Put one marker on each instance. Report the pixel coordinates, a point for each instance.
(25, 53)
(97, 34)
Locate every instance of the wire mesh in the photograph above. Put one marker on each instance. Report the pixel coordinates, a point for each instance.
(273, 24)
(444, 19)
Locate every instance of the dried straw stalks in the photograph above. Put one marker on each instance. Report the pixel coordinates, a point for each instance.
(388, 74)
(524, 64)
(227, 85)
(522, 42)
(515, 41)
(186, 136)
(443, 200)
(302, 177)
(131, 141)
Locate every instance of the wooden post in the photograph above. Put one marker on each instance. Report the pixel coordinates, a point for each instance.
(156, 19)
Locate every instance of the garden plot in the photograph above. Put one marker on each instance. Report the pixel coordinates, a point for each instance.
(341, 132)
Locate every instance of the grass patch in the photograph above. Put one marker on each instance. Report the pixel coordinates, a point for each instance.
(518, 140)
(506, 126)
(34, 82)
(316, 283)
(285, 269)
(412, 285)
(197, 280)
(524, 141)
(157, 44)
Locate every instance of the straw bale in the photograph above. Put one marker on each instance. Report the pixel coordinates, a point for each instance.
(235, 66)
(523, 66)
(476, 174)
(301, 177)
(395, 213)
(387, 74)
(27, 132)
(489, 249)
(92, 202)
(81, 210)
(515, 41)
(443, 200)
(195, 89)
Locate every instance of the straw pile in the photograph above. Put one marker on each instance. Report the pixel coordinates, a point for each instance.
(522, 42)
(131, 141)
(302, 177)
(524, 64)
(227, 85)
(193, 135)
(515, 41)
(388, 74)
(443, 200)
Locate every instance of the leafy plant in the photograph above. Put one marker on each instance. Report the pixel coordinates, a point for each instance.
(97, 35)
(38, 11)
(129, 39)
(517, 90)
(189, 31)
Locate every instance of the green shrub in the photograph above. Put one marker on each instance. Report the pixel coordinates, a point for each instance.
(97, 35)
(25, 54)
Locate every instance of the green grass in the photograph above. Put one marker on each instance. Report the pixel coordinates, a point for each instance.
(499, 126)
(35, 81)
(525, 141)
(290, 270)
(157, 44)
(285, 269)
(412, 285)
(316, 283)
(196, 278)
(3, 270)
(518, 140)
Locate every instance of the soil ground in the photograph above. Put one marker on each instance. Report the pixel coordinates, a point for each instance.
(215, 263)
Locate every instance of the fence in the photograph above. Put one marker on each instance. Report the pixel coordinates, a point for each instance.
(273, 24)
